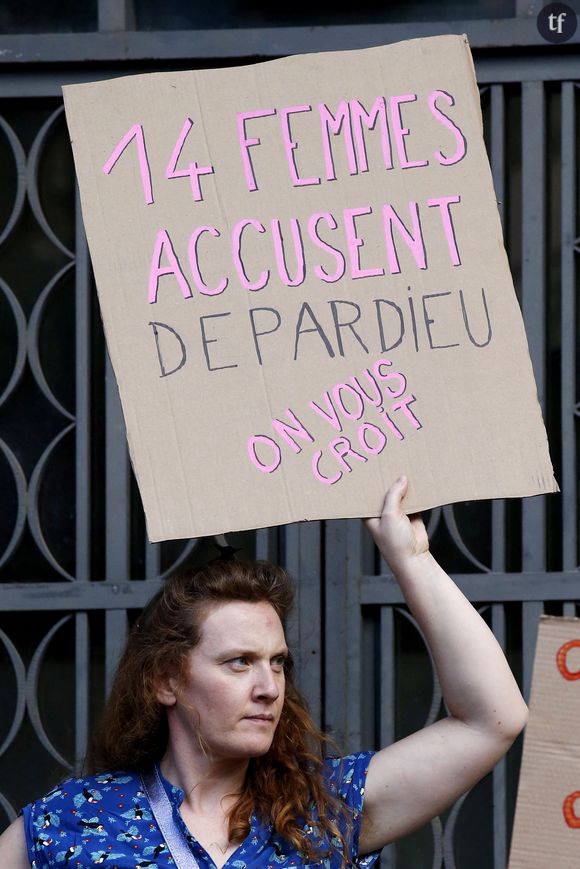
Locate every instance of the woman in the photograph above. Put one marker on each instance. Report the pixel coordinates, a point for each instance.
(204, 698)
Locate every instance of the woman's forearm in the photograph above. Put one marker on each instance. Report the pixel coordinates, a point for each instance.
(477, 683)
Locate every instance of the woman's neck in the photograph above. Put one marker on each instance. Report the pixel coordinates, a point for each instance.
(207, 782)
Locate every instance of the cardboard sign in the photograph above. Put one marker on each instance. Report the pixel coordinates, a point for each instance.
(304, 288)
(547, 820)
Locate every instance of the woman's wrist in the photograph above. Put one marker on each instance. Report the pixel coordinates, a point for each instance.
(411, 565)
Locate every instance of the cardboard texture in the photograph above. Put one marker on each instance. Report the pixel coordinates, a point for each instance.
(304, 288)
(547, 820)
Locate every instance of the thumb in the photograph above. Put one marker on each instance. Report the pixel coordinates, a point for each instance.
(395, 495)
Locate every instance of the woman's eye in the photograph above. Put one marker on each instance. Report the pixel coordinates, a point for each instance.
(240, 662)
(278, 662)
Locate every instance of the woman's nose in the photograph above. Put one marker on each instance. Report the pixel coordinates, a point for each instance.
(267, 683)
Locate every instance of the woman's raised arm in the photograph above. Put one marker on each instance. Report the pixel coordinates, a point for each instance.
(414, 779)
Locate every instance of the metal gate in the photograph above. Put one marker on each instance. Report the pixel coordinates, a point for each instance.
(74, 561)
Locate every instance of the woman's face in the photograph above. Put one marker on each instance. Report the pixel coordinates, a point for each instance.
(233, 693)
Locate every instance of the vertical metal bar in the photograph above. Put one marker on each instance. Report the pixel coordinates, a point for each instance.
(353, 633)
(117, 483)
(81, 687)
(114, 15)
(387, 691)
(497, 155)
(527, 8)
(152, 560)
(500, 833)
(115, 636)
(335, 675)
(267, 544)
(303, 630)
(262, 548)
(533, 305)
(387, 701)
(498, 173)
(498, 534)
(343, 631)
(83, 478)
(568, 327)
(570, 244)
(82, 400)
(497, 158)
(117, 519)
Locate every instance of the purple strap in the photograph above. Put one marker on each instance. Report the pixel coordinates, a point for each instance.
(162, 809)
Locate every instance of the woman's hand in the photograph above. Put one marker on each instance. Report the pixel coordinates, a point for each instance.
(400, 538)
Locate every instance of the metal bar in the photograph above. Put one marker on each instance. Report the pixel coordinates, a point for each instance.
(343, 632)
(117, 484)
(82, 400)
(533, 309)
(498, 507)
(262, 544)
(534, 282)
(83, 478)
(75, 596)
(387, 683)
(115, 636)
(335, 631)
(498, 535)
(117, 519)
(568, 328)
(353, 634)
(116, 15)
(267, 547)
(486, 587)
(370, 674)
(497, 155)
(265, 42)
(381, 590)
(497, 158)
(525, 8)
(152, 560)
(500, 833)
(82, 688)
(303, 628)
(32, 84)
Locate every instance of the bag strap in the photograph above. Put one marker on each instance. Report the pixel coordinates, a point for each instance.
(163, 811)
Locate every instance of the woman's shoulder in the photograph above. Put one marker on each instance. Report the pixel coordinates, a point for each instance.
(89, 817)
(80, 804)
(90, 789)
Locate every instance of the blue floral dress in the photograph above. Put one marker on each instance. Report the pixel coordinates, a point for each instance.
(106, 820)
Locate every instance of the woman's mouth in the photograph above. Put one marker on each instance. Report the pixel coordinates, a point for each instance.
(260, 719)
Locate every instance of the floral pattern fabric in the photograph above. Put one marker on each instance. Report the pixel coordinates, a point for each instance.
(106, 820)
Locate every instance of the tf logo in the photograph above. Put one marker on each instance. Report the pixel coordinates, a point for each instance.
(557, 22)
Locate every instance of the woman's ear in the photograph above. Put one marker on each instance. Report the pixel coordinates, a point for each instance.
(166, 692)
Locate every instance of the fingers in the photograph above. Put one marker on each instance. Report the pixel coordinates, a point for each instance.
(392, 502)
(395, 495)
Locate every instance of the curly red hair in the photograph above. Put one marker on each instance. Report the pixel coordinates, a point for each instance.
(284, 786)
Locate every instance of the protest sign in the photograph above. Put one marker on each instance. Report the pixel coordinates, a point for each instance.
(304, 288)
(547, 820)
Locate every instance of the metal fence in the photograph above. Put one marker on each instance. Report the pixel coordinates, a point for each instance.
(75, 563)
